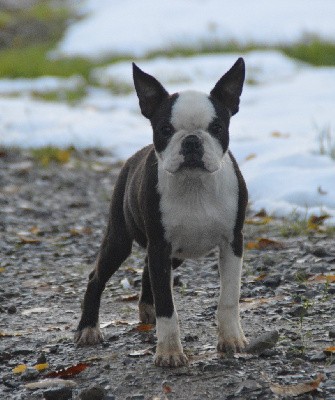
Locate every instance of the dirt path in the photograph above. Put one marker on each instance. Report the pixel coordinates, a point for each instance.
(51, 224)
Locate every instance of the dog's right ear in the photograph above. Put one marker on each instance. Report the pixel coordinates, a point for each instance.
(149, 91)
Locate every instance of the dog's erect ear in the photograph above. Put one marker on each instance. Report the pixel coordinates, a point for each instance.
(149, 91)
(229, 88)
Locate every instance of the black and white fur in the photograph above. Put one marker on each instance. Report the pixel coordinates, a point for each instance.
(178, 198)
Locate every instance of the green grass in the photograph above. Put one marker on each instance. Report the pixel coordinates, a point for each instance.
(315, 52)
(30, 58)
(48, 154)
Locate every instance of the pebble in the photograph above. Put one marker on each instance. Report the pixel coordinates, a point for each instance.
(63, 393)
(272, 280)
(11, 309)
(93, 393)
(266, 341)
(318, 357)
(29, 374)
(298, 311)
(41, 359)
(332, 333)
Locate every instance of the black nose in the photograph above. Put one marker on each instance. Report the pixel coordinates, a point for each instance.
(192, 145)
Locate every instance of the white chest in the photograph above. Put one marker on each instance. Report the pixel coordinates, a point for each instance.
(198, 210)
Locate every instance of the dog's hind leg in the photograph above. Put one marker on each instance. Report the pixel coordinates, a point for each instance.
(146, 303)
(115, 248)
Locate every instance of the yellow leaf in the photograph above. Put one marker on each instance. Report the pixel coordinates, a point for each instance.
(250, 157)
(41, 367)
(259, 221)
(280, 135)
(2, 269)
(34, 230)
(19, 369)
(295, 390)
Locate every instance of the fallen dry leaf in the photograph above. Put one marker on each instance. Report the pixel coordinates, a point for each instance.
(251, 304)
(250, 157)
(143, 327)
(69, 371)
(130, 297)
(41, 367)
(264, 243)
(280, 135)
(36, 310)
(261, 277)
(140, 353)
(19, 369)
(296, 390)
(315, 220)
(166, 389)
(322, 279)
(28, 239)
(329, 350)
(117, 322)
(259, 221)
(34, 230)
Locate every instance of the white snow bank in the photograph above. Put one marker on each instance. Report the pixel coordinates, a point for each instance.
(43, 84)
(275, 135)
(139, 27)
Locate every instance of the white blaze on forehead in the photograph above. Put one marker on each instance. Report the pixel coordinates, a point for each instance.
(192, 110)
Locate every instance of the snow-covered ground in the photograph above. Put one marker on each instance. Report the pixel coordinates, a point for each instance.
(286, 106)
(138, 27)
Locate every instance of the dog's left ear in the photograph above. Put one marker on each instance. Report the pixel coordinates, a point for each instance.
(229, 88)
(149, 91)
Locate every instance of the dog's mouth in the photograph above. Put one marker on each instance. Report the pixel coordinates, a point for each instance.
(192, 164)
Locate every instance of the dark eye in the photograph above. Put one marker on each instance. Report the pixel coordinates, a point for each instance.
(216, 129)
(166, 130)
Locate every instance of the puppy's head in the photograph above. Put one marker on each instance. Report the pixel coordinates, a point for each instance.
(190, 128)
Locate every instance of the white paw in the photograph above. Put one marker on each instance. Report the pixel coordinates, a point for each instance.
(88, 336)
(147, 313)
(171, 360)
(231, 343)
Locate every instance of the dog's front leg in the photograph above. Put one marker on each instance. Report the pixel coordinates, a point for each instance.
(169, 351)
(231, 336)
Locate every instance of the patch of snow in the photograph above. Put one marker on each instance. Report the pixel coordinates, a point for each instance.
(285, 106)
(137, 28)
(44, 84)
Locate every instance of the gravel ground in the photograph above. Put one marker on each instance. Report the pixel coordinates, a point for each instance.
(51, 223)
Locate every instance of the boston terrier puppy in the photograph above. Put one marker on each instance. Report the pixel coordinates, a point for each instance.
(179, 198)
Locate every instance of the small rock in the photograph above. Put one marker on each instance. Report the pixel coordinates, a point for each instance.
(329, 385)
(318, 356)
(29, 374)
(272, 281)
(247, 386)
(11, 309)
(41, 359)
(319, 269)
(135, 397)
(53, 349)
(93, 393)
(332, 333)
(191, 338)
(266, 341)
(5, 355)
(321, 252)
(298, 311)
(63, 393)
